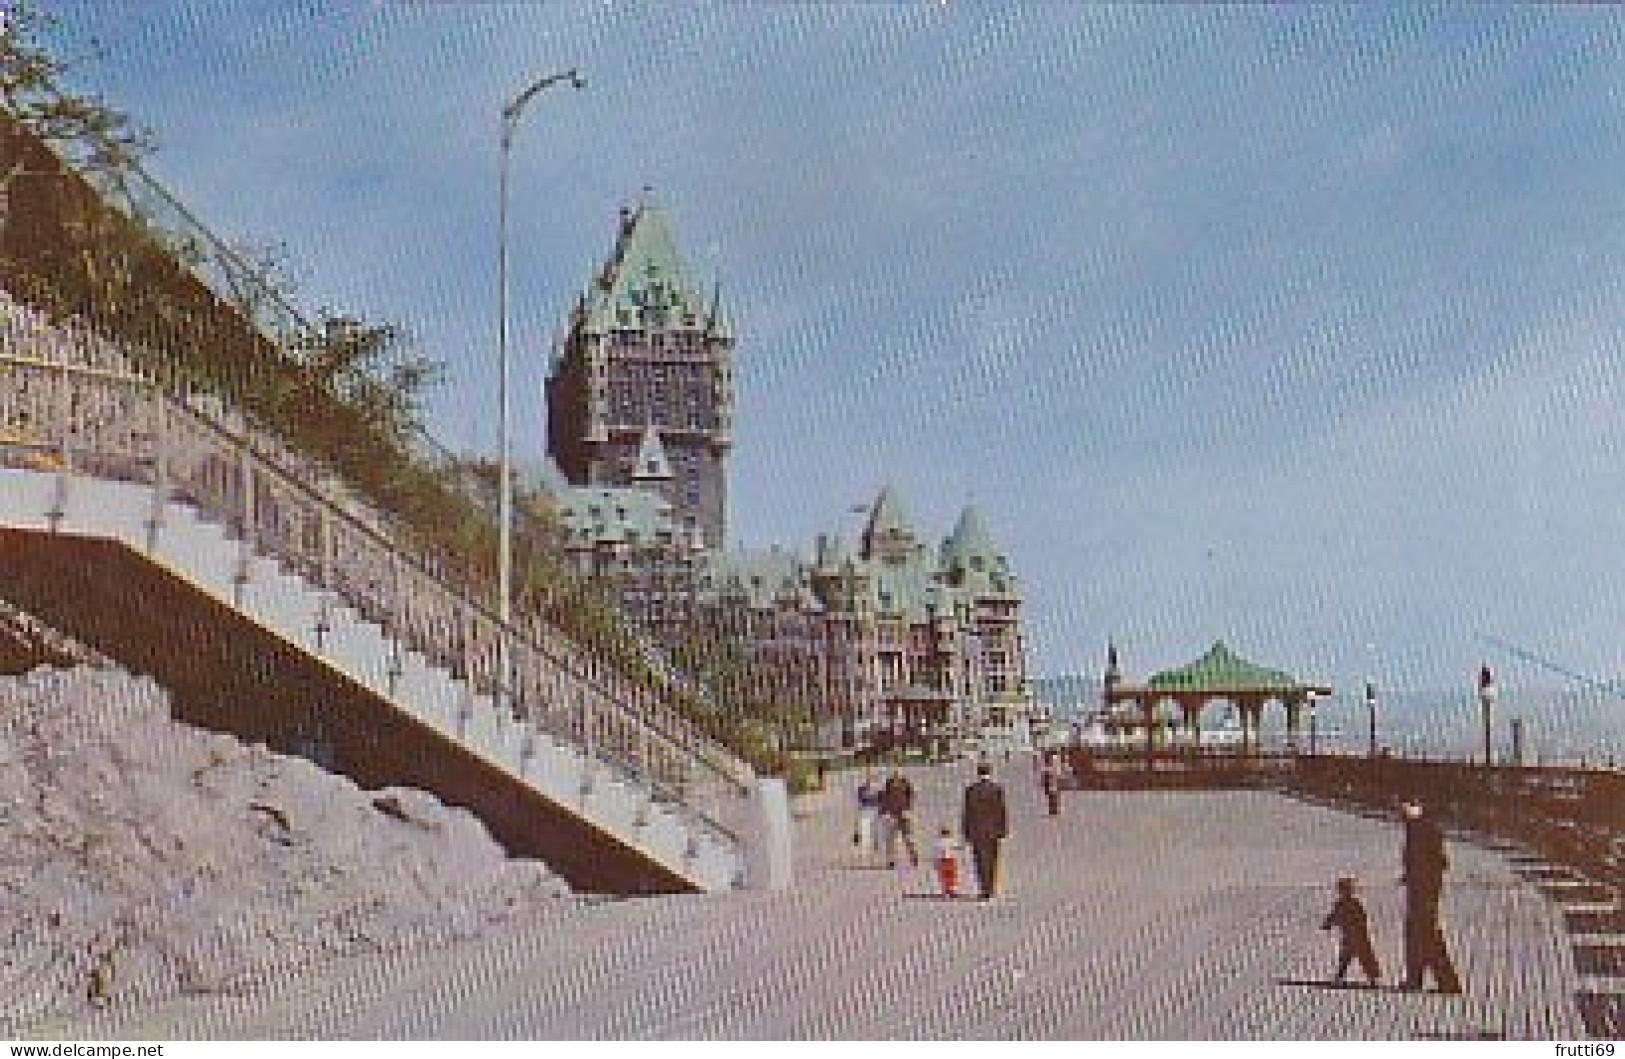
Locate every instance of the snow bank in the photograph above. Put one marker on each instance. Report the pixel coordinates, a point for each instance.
(140, 857)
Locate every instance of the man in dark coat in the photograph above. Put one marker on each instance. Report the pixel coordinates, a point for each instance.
(1424, 862)
(896, 801)
(984, 824)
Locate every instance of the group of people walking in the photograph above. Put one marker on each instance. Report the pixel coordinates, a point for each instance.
(885, 822)
(1426, 954)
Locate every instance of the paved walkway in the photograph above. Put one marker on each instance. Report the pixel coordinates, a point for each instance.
(1134, 915)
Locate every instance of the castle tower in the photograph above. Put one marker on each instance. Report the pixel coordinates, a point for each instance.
(975, 564)
(888, 537)
(647, 356)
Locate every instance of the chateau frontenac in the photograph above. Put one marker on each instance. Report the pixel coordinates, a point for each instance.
(892, 637)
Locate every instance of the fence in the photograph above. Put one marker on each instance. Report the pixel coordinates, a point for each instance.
(1574, 815)
(70, 402)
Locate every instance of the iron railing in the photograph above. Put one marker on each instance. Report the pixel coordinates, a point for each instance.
(72, 402)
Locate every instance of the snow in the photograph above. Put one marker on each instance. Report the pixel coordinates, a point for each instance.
(141, 858)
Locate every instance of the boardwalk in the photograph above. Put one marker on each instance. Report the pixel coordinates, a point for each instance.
(1135, 915)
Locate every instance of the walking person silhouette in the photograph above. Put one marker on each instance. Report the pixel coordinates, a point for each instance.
(985, 823)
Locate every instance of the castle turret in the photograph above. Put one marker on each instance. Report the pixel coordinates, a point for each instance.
(647, 350)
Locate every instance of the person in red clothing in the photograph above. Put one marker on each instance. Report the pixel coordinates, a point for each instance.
(945, 856)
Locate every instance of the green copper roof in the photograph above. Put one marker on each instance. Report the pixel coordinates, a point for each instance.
(652, 465)
(970, 539)
(716, 321)
(971, 559)
(887, 519)
(644, 284)
(1223, 670)
(761, 578)
(599, 515)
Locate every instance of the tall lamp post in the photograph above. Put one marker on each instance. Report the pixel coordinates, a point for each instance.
(1486, 702)
(1371, 717)
(511, 114)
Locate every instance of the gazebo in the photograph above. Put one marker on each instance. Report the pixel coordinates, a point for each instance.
(1220, 675)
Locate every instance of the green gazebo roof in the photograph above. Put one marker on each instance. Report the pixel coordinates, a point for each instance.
(1221, 669)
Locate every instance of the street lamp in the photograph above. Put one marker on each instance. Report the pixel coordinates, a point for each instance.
(1371, 717)
(511, 114)
(1486, 702)
(1314, 731)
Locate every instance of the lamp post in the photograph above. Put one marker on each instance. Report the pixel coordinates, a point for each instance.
(1486, 702)
(1314, 730)
(1371, 717)
(511, 114)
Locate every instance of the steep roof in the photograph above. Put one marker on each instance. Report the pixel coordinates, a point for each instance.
(1221, 669)
(762, 578)
(970, 539)
(599, 515)
(652, 465)
(887, 518)
(644, 280)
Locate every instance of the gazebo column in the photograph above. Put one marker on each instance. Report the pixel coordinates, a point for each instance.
(1252, 713)
(1294, 722)
(1191, 707)
(1148, 712)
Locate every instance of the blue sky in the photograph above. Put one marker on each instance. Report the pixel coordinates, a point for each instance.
(1300, 327)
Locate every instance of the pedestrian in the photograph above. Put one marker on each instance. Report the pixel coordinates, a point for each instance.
(1049, 781)
(985, 823)
(1424, 863)
(896, 802)
(864, 830)
(1348, 918)
(945, 856)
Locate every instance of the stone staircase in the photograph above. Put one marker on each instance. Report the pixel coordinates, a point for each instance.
(271, 583)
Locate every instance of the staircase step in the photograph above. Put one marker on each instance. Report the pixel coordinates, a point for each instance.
(201, 551)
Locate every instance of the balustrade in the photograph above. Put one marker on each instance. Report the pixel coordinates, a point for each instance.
(73, 403)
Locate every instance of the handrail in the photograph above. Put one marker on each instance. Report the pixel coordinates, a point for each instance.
(616, 723)
(144, 199)
(268, 456)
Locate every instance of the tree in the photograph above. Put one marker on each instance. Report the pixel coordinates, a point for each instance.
(100, 240)
(83, 127)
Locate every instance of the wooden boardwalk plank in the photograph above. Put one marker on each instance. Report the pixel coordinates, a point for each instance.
(1132, 916)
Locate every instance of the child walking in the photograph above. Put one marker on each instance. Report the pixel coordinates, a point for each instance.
(1354, 933)
(865, 833)
(945, 855)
